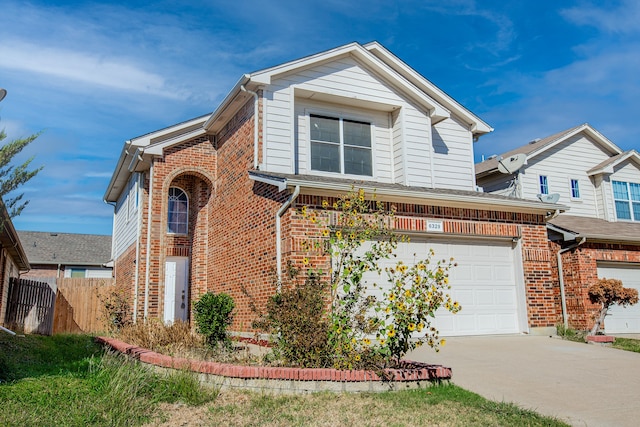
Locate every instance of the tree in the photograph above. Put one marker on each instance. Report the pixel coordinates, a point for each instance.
(11, 176)
(608, 292)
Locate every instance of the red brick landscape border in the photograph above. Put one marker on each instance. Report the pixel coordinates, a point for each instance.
(411, 375)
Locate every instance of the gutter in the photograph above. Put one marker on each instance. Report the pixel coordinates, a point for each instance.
(279, 214)
(563, 297)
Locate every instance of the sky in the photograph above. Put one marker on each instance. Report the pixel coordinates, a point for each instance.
(91, 75)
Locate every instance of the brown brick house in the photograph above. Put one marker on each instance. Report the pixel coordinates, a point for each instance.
(210, 203)
(599, 236)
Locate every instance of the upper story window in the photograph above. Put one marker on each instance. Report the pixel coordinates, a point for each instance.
(575, 189)
(340, 145)
(627, 199)
(544, 185)
(178, 211)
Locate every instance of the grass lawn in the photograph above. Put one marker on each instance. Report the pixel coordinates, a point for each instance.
(628, 344)
(67, 380)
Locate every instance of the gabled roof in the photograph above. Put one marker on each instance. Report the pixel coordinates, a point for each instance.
(66, 248)
(377, 58)
(608, 165)
(595, 229)
(539, 146)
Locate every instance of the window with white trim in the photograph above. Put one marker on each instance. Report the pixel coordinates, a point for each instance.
(575, 189)
(626, 196)
(178, 211)
(340, 145)
(544, 185)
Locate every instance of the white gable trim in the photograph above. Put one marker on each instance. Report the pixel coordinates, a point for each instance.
(587, 130)
(437, 112)
(609, 168)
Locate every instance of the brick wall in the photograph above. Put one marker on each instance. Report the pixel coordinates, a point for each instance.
(580, 268)
(39, 271)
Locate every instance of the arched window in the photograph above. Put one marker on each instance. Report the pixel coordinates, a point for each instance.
(178, 212)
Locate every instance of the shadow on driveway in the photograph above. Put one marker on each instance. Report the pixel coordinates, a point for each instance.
(582, 384)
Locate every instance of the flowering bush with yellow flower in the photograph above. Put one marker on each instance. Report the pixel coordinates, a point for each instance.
(402, 319)
(407, 307)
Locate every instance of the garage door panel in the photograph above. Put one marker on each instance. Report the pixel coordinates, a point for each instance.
(622, 319)
(483, 282)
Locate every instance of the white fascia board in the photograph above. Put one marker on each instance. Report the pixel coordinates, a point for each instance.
(226, 102)
(566, 235)
(158, 147)
(436, 111)
(438, 199)
(477, 125)
(121, 173)
(609, 169)
(280, 183)
(588, 130)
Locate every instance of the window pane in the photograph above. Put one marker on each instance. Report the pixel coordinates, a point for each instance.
(635, 191)
(357, 161)
(636, 211)
(544, 187)
(575, 189)
(75, 272)
(325, 157)
(357, 133)
(622, 210)
(620, 191)
(325, 129)
(178, 211)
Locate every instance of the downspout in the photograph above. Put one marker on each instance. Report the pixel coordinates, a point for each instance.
(137, 271)
(563, 298)
(148, 258)
(279, 214)
(255, 125)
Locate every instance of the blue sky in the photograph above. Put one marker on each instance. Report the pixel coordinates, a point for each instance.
(94, 74)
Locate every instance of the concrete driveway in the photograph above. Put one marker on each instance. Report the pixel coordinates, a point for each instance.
(582, 384)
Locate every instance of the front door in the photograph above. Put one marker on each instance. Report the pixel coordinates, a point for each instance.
(176, 290)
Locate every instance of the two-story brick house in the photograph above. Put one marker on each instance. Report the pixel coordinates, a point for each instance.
(210, 204)
(599, 236)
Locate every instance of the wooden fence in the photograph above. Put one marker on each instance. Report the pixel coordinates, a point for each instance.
(30, 306)
(80, 305)
(76, 307)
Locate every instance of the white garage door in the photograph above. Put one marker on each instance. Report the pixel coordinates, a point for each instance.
(484, 283)
(622, 320)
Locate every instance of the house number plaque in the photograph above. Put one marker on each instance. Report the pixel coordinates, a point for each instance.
(435, 227)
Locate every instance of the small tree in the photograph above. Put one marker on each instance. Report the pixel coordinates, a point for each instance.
(608, 292)
(12, 177)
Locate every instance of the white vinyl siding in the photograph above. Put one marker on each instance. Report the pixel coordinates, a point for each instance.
(453, 155)
(570, 159)
(125, 218)
(88, 272)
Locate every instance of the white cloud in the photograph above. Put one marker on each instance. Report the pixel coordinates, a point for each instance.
(114, 73)
(621, 19)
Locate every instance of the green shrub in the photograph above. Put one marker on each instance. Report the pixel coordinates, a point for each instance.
(212, 313)
(297, 320)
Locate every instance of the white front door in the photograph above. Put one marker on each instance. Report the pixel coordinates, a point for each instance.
(176, 291)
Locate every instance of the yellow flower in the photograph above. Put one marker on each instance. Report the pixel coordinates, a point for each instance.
(357, 357)
(387, 310)
(382, 341)
(402, 268)
(456, 304)
(339, 234)
(347, 204)
(411, 326)
(325, 232)
(407, 293)
(366, 341)
(446, 280)
(325, 204)
(443, 342)
(305, 261)
(391, 333)
(353, 340)
(420, 326)
(303, 211)
(421, 266)
(419, 344)
(352, 236)
(392, 297)
(335, 205)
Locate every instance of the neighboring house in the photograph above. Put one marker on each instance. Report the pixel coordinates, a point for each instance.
(57, 255)
(600, 235)
(210, 204)
(13, 260)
